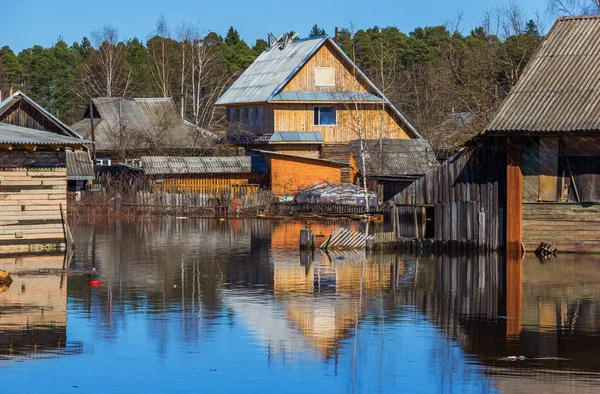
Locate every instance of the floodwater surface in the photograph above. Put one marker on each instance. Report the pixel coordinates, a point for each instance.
(233, 306)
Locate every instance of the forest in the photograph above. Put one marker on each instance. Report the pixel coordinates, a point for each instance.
(448, 80)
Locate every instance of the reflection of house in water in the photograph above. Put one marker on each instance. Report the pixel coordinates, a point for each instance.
(326, 299)
(33, 317)
(547, 312)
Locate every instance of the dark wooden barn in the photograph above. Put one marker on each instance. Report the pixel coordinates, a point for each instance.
(534, 175)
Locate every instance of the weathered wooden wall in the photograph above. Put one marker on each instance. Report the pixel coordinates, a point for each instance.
(567, 226)
(290, 174)
(24, 115)
(300, 117)
(466, 195)
(29, 206)
(198, 183)
(306, 150)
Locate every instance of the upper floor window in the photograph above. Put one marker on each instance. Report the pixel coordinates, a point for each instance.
(324, 76)
(325, 116)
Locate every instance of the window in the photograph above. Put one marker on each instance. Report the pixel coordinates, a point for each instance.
(231, 115)
(241, 115)
(324, 76)
(103, 161)
(250, 114)
(259, 117)
(325, 116)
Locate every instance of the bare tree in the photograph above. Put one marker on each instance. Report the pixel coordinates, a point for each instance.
(160, 58)
(104, 72)
(573, 7)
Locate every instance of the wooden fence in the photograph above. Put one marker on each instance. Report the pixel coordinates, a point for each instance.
(291, 208)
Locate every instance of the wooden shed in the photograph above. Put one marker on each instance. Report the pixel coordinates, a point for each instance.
(290, 173)
(33, 186)
(207, 175)
(533, 175)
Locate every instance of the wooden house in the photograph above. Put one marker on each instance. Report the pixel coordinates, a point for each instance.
(207, 175)
(126, 129)
(532, 177)
(20, 110)
(33, 186)
(302, 97)
(391, 165)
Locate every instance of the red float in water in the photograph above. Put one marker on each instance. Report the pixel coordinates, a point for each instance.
(95, 283)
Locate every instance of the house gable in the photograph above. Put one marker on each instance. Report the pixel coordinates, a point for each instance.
(19, 110)
(326, 60)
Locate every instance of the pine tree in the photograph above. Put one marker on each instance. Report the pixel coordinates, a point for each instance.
(316, 31)
(13, 72)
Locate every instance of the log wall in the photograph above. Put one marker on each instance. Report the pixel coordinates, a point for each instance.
(30, 207)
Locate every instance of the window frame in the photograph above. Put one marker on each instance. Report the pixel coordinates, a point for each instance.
(324, 84)
(319, 112)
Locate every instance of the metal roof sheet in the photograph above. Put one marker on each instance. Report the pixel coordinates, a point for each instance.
(559, 90)
(172, 165)
(10, 134)
(298, 157)
(396, 158)
(294, 136)
(79, 166)
(269, 71)
(326, 96)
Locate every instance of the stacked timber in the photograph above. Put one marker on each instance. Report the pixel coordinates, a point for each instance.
(30, 202)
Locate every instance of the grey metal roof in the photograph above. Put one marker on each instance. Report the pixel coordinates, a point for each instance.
(326, 96)
(10, 134)
(294, 136)
(559, 91)
(270, 71)
(79, 166)
(259, 164)
(291, 156)
(174, 165)
(18, 95)
(397, 158)
(148, 123)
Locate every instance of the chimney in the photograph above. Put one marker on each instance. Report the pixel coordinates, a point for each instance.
(335, 38)
(10, 91)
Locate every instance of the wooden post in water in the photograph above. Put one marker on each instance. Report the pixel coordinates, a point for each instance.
(307, 239)
(514, 190)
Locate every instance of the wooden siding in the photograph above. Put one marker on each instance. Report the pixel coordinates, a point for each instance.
(204, 183)
(466, 193)
(290, 174)
(24, 115)
(300, 117)
(567, 227)
(29, 208)
(305, 150)
(304, 80)
(514, 193)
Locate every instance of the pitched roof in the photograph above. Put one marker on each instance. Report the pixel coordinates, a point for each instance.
(17, 96)
(274, 68)
(147, 123)
(79, 166)
(397, 158)
(174, 165)
(559, 91)
(17, 135)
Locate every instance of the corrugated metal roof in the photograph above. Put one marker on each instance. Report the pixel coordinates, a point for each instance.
(148, 123)
(18, 95)
(397, 158)
(10, 134)
(79, 166)
(259, 164)
(269, 71)
(559, 91)
(294, 136)
(326, 96)
(171, 165)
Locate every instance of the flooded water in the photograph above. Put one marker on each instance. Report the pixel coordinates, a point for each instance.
(233, 306)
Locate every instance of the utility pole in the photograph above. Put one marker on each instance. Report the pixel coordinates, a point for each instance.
(93, 132)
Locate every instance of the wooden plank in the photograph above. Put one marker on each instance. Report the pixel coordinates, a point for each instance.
(548, 168)
(514, 185)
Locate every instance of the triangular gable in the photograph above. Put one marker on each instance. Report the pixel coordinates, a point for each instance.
(43, 119)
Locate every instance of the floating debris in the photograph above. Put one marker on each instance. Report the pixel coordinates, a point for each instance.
(545, 250)
(342, 238)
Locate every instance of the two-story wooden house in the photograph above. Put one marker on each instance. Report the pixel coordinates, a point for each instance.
(300, 98)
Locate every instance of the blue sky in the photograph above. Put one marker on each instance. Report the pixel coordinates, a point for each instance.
(25, 23)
